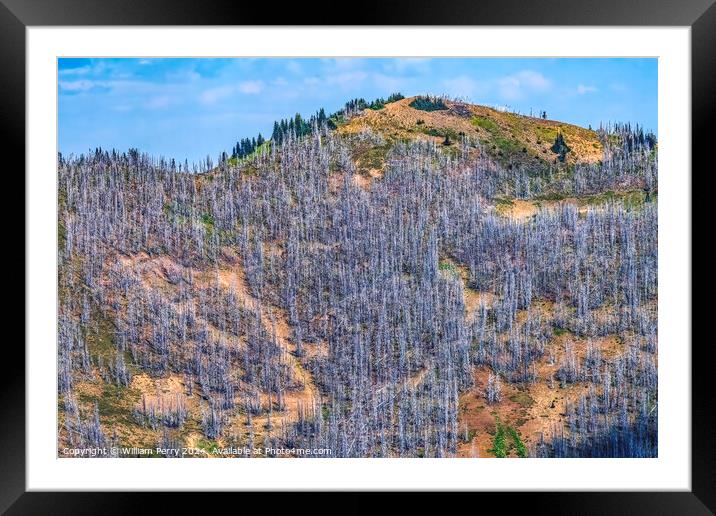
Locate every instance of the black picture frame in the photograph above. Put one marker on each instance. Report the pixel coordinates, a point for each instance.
(700, 15)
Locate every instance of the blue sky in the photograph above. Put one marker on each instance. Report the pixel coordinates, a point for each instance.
(188, 108)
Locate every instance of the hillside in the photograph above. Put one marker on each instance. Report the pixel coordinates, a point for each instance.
(507, 137)
(366, 289)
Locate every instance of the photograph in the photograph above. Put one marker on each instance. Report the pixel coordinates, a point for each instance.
(357, 257)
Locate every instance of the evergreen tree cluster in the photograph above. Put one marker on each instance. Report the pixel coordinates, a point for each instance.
(560, 147)
(428, 103)
(360, 104)
(297, 126)
(247, 146)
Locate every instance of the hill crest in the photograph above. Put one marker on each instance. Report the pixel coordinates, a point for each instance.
(506, 137)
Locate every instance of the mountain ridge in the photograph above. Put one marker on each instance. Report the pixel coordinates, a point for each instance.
(507, 137)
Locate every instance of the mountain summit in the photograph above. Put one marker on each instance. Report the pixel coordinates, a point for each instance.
(507, 137)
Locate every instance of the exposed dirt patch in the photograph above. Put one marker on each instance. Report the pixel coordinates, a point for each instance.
(161, 274)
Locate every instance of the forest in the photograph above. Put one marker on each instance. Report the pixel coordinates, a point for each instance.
(290, 300)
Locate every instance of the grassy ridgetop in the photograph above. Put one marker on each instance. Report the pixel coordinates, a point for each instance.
(507, 137)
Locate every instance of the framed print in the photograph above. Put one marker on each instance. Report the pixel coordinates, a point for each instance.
(360, 257)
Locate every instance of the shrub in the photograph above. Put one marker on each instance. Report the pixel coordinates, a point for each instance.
(499, 443)
(519, 445)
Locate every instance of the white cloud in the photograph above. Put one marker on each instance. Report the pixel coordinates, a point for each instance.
(160, 102)
(346, 79)
(119, 88)
(184, 76)
(82, 70)
(213, 95)
(80, 85)
(534, 80)
(389, 82)
(343, 63)
(95, 68)
(404, 64)
(251, 87)
(294, 67)
(518, 85)
(582, 89)
(465, 86)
